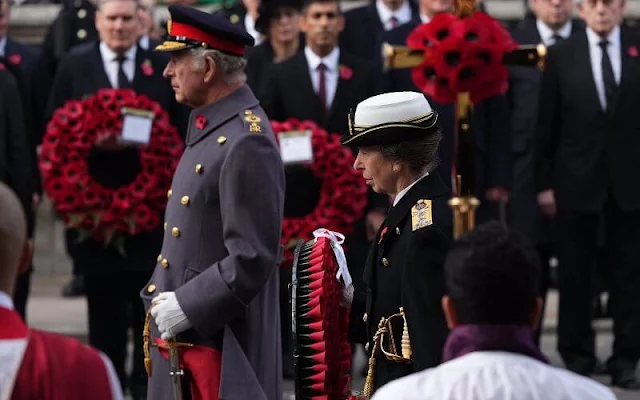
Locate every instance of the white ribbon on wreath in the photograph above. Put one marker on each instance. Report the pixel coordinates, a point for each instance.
(336, 239)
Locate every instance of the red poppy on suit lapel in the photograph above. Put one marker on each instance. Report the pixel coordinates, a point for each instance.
(384, 232)
(147, 68)
(201, 122)
(633, 51)
(15, 59)
(345, 72)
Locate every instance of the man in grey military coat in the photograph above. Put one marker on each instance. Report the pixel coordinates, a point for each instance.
(215, 284)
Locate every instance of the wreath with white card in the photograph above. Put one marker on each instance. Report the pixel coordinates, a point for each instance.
(343, 192)
(108, 214)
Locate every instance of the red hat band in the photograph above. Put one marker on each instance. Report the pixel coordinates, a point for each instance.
(192, 33)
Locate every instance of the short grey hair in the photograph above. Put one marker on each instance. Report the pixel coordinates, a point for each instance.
(421, 155)
(231, 67)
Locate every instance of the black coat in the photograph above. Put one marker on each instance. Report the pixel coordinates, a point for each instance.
(524, 88)
(363, 28)
(405, 268)
(583, 152)
(490, 124)
(16, 155)
(81, 74)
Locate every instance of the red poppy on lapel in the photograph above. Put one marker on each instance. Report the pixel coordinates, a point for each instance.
(345, 72)
(384, 232)
(147, 68)
(201, 122)
(15, 59)
(633, 51)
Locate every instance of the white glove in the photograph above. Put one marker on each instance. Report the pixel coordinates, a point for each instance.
(168, 315)
(346, 296)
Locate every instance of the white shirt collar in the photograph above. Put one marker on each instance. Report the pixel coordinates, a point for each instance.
(144, 42)
(613, 37)
(424, 18)
(250, 26)
(6, 301)
(546, 33)
(109, 56)
(403, 14)
(404, 191)
(3, 45)
(330, 60)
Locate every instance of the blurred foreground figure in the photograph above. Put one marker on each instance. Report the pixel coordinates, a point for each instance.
(39, 365)
(492, 307)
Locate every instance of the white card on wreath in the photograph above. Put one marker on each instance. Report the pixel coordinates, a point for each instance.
(136, 127)
(295, 147)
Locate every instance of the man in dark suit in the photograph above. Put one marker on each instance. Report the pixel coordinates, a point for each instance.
(278, 22)
(22, 62)
(551, 24)
(490, 124)
(112, 281)
(588, 157)
(364, 25)
(322, 84)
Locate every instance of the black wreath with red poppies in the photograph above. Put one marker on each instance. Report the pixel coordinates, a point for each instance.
(461, 55)
(83, 202)
(343, 192)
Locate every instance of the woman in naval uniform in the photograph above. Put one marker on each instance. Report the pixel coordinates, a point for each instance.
(400, 316)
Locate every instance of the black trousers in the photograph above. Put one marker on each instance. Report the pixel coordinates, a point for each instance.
(114, 305)
(577, 253)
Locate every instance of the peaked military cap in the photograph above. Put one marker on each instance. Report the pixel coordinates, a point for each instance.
(190, 28)
(391, 118)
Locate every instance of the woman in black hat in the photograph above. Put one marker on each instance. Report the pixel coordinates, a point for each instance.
(278, 22)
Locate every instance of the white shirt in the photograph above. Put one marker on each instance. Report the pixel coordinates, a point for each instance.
(494, 375)
(111, 64)
(144, 42)
(3, 45)
(405, 190)
(546, 33)
(425, 19)
(250, 26)
(330, 73)
(595, 52)
(10, 347)
(402, 14)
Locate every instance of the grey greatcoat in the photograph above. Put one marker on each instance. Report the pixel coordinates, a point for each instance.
(221, 248)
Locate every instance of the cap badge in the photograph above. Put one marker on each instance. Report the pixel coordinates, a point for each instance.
(201, 122)
(421, 215)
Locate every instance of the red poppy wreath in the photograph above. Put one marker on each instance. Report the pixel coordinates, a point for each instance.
(84, 203)
(461, 55)
(343, 192)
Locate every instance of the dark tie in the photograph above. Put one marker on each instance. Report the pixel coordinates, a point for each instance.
(393, 21)
(556, 38)
(123, 81)
(322, 86)
(610, 85)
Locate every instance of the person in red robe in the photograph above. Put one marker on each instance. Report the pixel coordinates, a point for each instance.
(34, 364)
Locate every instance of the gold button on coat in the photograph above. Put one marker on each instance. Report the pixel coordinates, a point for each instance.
(365, 317)
(184, 200)
(165, 226)
(385, 262)
(164, 263)
(169, 193)
(222, 140)
(151, 288)
(175, 231)
(198, 168)
(82, 13)
(81, 34)
(159, 257)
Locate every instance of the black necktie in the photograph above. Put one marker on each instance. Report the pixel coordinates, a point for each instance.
(322, 86)
(123, 81)
(610, 85)
(556, 38)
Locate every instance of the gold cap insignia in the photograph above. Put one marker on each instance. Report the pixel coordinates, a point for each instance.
(421, 214)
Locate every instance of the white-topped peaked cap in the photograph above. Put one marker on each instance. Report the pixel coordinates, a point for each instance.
(391, 118)
(391, 107)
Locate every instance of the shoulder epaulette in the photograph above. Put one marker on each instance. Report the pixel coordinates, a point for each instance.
(252, 121)
(421, 214)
